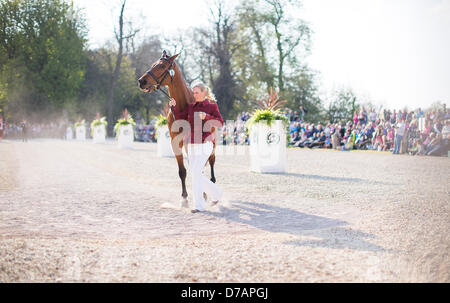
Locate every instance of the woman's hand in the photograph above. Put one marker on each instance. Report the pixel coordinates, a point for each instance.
(172, 102)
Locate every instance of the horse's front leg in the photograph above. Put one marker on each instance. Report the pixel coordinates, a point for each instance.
(177, 148)
(182, 174)
(212, 160)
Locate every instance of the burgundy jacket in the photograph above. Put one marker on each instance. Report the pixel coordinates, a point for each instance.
(212, 113)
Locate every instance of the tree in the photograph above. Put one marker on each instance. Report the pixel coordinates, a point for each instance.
(121, 39)
(342, 106)
(274, 55)
(268, 20)
(221, 44)
(141, 58)
(301, 90)
(289, 33)
(252, 28)
(42, 55)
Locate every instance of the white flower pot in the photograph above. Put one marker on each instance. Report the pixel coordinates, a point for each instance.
(164, 147)
(126, 136)
(69, 133)
(80, 133)
(99, 134)
(268, 147)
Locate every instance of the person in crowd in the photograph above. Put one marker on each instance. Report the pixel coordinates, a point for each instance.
(373, 115)
(399, 132)
(355, 117)
(24, 127)
(434, 148)
(302, 113)
(446, 129)
(336, 137)
(319, 141)
(416, 147)
(295, 137)
(437, 126)
(349, 140)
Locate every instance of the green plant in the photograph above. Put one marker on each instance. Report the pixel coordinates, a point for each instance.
(80, 123)
(269, 113)
(124, 122)
(98, 122)
(162, 120)
(267, 116)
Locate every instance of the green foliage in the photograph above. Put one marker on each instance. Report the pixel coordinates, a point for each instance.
(80, 123)
(98, 122)
(162, 120)
(342, 106)
(272, 55)
(124, 122)
(267, 116)
(42, 54)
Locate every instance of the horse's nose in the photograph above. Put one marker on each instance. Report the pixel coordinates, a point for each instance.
(141, 82)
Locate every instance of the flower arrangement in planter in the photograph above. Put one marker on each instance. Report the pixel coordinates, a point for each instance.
(98, 130)
(124, 122)
(269, 110)
(98, 122)
(124, 129)
(268, 135)
(80, 130)
(161, 121)
(80, 123)
(164, 140)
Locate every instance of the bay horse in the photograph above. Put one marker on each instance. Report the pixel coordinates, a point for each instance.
(165, 72)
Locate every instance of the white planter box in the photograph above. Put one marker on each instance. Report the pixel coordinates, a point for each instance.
(69, 133)
(99, 134)
(80, 133)
(126, 136)
(164, 147)
(268, 147)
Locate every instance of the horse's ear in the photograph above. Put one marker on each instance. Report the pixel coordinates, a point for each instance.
(173, 57)
(164, 54)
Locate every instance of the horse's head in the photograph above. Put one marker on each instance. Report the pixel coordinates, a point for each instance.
(160, 73)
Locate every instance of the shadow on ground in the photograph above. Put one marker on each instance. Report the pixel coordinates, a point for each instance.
(330, 232)
(328, 178)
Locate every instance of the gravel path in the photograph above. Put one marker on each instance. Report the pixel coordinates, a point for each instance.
(76, 211)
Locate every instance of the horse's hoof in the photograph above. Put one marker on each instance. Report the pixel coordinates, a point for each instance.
(184, 203)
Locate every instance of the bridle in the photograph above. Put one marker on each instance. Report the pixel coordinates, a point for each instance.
(169, 71)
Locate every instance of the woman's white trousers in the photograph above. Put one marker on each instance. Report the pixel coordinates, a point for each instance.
(198, 154)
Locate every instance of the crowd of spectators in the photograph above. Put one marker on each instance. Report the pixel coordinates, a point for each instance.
(17, 130)
(412, 132)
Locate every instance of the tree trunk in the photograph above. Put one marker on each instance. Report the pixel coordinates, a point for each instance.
(115, 75)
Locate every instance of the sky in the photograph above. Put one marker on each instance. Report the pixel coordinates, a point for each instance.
(395, 53)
